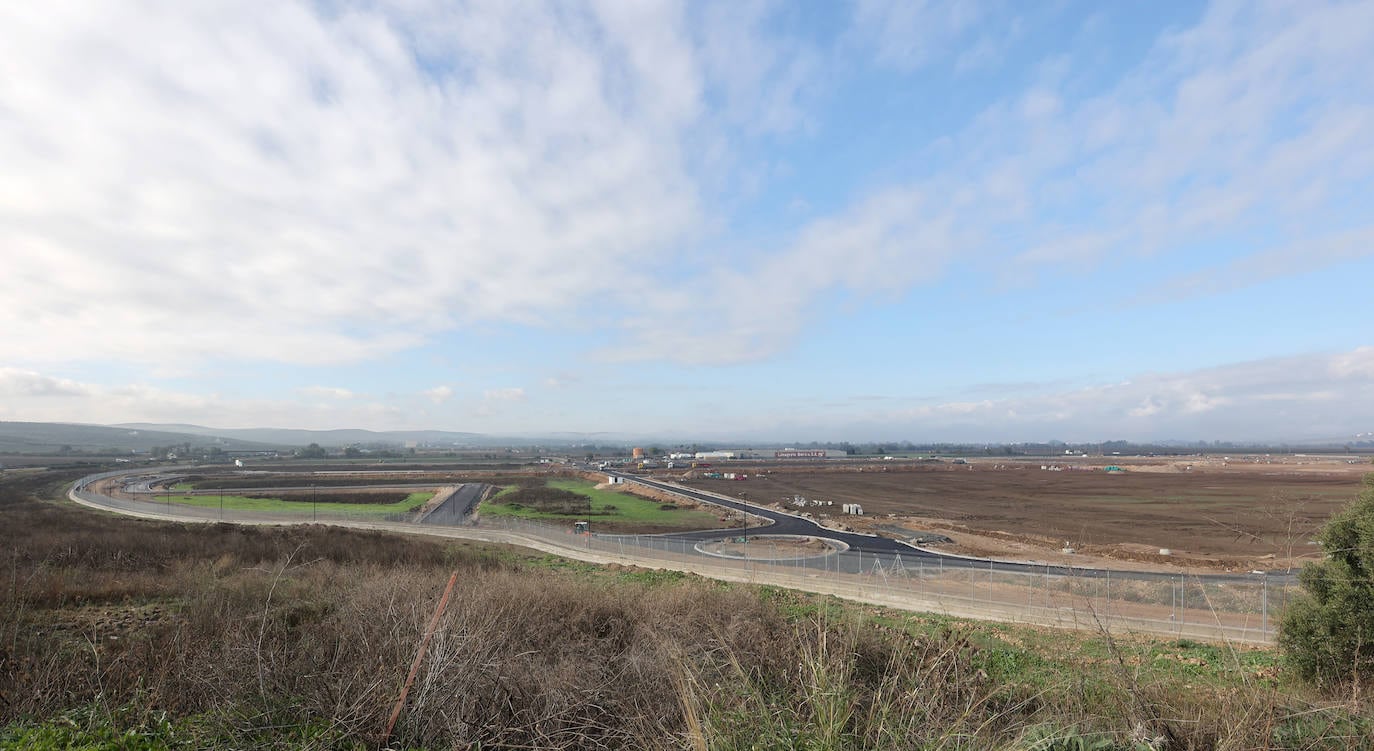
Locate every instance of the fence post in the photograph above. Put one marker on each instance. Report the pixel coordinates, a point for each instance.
(1182, 602)
(1109, 595)
(989, 583)
(1264, 604)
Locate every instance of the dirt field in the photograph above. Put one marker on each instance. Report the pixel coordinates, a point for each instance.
(1235, 513)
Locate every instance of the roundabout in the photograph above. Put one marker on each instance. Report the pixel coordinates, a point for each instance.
(771, 547)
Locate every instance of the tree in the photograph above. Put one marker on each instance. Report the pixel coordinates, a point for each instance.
(1327, 635)
(313, 451)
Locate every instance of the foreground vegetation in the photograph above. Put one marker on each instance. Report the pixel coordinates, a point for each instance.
(123, 633)
(1329, 633)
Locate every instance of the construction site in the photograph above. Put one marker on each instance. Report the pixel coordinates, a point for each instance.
(1220, 513)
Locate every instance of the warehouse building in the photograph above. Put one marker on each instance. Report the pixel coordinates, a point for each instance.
(772, 454)
(808, 454)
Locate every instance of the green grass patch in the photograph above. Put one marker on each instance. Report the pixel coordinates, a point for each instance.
(606, 506)
(244, 503)
(134, 729)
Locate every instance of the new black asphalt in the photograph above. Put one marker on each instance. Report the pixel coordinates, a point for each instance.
(886, 551)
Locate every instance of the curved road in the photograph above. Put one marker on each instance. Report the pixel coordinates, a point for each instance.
(884, 551)
(784, 523)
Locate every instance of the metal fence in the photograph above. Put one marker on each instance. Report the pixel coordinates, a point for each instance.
(1239, 608)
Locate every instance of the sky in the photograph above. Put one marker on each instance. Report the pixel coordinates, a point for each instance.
(978, 220)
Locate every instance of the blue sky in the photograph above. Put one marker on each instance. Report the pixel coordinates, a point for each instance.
(969, 220)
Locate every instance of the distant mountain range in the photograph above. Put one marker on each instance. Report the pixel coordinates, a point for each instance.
(47, 437)
(54, 437)
(327, 438)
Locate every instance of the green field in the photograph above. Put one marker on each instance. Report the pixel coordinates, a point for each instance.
(608, 506)
(243, 503)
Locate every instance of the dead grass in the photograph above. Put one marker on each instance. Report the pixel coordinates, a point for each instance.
(251, 636)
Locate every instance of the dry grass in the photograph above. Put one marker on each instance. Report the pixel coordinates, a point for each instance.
(262, 637)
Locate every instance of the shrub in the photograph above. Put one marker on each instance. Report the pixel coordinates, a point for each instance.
(1328, 635)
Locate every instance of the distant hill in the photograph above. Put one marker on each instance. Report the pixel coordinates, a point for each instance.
(50, 437)
(53, 437)
(330, 438)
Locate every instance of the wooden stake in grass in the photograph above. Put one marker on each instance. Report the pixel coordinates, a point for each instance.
(419, 656)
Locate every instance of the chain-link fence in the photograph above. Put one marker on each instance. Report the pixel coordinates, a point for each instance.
(1231, 607)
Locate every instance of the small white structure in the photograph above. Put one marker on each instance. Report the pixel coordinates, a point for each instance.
(238, 462)
(852, 508)
(614, 480)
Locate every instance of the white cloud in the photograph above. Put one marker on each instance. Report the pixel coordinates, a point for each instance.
(908, 34)
(326, 392)
(31, 396)
(1301, 256)
(760, 78)
(561, 380)
(320, 187)
(1196, 145)
(439, 394)
(1147, 408)
(881, 246)
(291, 184)
(504, 395)
(16, 383)
(1308, 397)
(1356, 364)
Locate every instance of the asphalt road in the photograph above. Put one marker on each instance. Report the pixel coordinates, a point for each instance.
(457, 509)
(884, 551)
(883, 548)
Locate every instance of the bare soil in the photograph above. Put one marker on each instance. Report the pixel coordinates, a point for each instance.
(1240, 513)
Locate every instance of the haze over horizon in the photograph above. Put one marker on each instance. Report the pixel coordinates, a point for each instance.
(877, 220)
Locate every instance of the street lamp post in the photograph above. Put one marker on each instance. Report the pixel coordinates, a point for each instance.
(221, 504)
(314, 509)
(744, 529)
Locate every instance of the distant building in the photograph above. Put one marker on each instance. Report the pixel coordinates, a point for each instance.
(808, 454)
(772, 454)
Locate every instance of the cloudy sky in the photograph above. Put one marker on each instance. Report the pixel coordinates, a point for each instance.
(883, 219)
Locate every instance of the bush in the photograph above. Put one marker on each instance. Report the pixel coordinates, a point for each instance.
(1328, 635)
